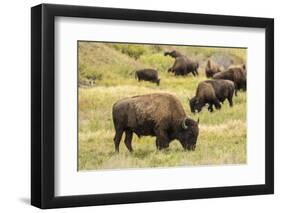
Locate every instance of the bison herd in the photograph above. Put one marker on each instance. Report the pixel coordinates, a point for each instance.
(162, 115)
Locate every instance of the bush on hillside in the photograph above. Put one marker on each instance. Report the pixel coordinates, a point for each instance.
(157, 61)
(132, 50)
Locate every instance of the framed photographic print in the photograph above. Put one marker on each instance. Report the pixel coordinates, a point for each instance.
(139, 106)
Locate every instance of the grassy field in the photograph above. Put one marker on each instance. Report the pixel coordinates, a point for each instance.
(222, 137)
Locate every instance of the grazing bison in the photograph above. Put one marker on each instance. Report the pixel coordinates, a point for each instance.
(212, 92)
(237, 74)
(160, 115)
(147, 75)
(182, 65)
(211, 69)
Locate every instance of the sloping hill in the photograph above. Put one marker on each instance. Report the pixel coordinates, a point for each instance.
(97, 61)
(105, 62)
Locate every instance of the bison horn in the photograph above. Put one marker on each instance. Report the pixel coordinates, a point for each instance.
(183, 125)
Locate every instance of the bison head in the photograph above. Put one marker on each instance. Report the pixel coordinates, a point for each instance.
(195, 105)
(166, 53)
(171, 70)
(188, 134)
(173, 54)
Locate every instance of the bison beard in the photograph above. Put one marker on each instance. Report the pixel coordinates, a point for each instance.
(160, 115)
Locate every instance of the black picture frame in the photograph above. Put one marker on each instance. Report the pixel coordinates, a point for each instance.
(43, 105)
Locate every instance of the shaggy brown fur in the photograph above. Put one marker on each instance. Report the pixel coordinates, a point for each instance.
(211, 69)
(159, 114)
(147, 75)
(212, 92)
(237, 74)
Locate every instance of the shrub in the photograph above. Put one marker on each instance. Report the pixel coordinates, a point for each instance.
(132, 50)
(157, 61)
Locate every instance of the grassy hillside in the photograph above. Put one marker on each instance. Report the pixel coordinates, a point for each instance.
(222, 137)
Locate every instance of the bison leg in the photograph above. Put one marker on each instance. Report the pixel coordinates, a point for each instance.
(193, 73)
(217, 104)
(162, 140)
(160, 145)
(163, 145)
(157, 143)
(210, 108)
(128, 140)
(117, 138)
(230, 100)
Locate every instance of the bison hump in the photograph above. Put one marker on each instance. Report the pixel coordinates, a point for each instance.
(158, 107)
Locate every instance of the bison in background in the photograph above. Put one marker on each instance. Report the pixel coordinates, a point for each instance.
(173, 54)
(212, 92)
(211, 69)
(147, 75)
(182, 65)
(160, 115)
(237, 74)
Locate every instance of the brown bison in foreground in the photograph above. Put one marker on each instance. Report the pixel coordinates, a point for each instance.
(237, 74)
(212, 92)
(182, 65)
(211, 69)
(147, 75)
(160, 115)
